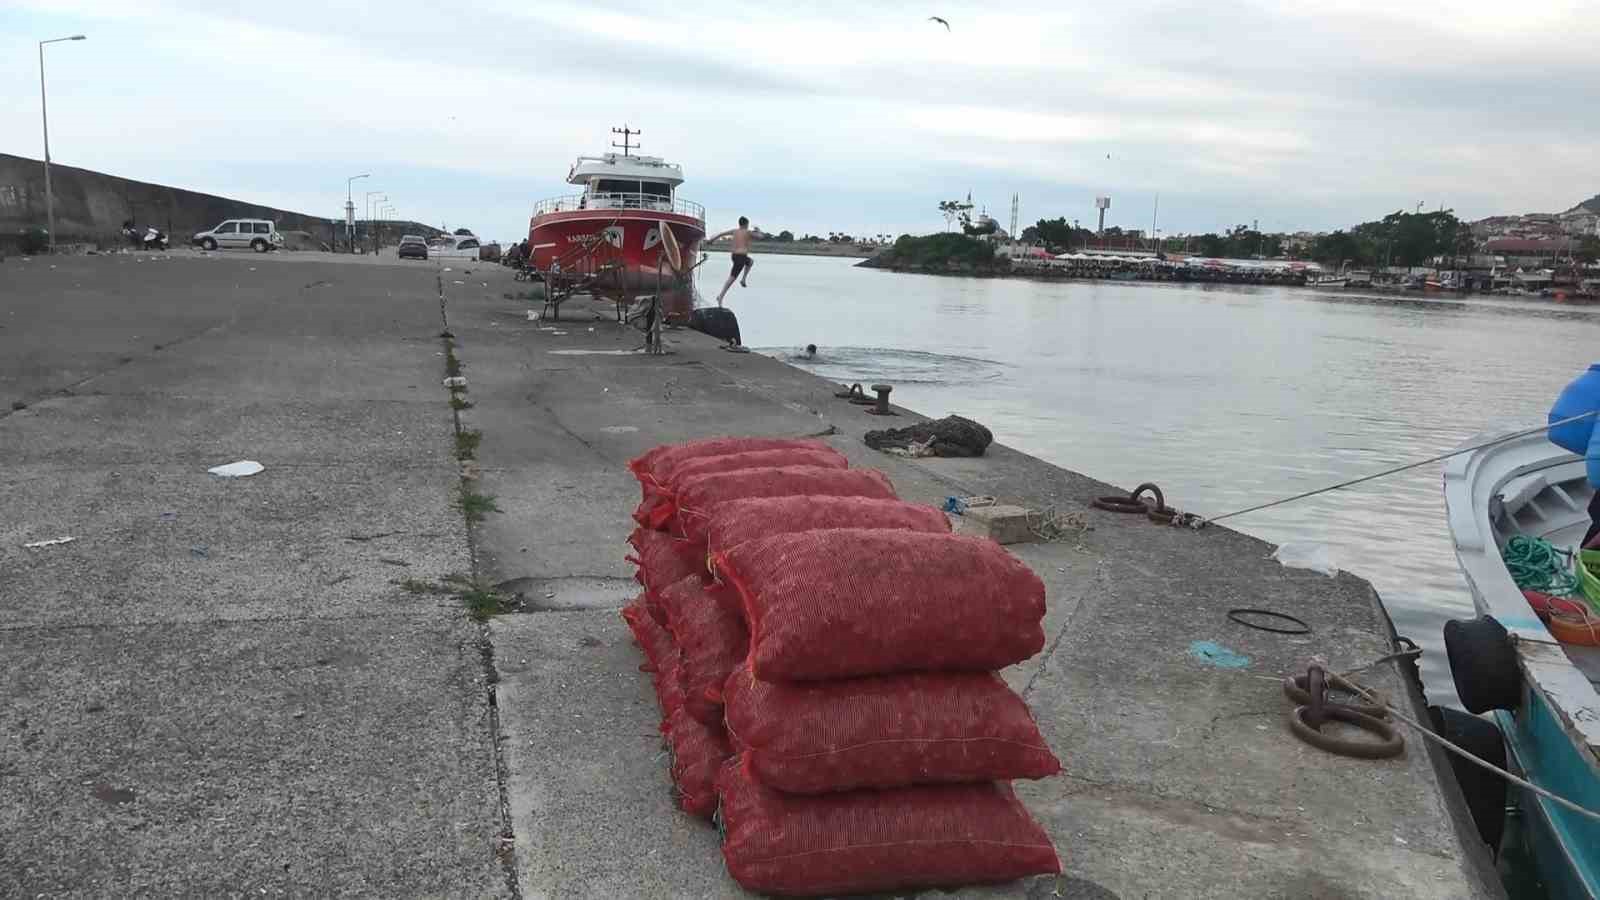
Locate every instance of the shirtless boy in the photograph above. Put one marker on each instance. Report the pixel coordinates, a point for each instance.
(741, 255)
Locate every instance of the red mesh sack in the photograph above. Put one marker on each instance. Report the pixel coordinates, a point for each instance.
(660, 492)
(698, 751)
(712, 641)
(869, 841)
(884, 732)
(737, 521)
(697, 497)
(662, 559)
(846, 602)
(659, 461)
(661, 656)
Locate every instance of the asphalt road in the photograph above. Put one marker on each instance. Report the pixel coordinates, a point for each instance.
(219, 687)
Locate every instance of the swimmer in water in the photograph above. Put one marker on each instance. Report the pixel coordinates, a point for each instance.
(810, 352)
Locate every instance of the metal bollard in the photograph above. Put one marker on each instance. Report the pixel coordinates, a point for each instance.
(882, 407)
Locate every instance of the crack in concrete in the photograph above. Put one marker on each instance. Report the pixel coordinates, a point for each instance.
(505, 851)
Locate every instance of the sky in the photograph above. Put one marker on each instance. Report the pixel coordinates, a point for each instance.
(830, 116)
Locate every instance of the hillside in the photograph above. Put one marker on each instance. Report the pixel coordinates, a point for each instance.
(91, 206)
(1592, 204)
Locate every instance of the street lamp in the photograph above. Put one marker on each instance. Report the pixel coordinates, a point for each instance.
(350, 209)
(370, 195)
(44, 115)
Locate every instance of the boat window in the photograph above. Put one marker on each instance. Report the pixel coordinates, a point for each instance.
(656, 188)
(615, 186)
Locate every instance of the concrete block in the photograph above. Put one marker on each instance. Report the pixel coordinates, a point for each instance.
(1001, 524)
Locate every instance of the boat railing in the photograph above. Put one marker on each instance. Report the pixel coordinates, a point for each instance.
(621, 200)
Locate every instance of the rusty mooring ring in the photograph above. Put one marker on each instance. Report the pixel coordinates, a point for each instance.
(1132, 503)
(1391, 742)
(1296, 688)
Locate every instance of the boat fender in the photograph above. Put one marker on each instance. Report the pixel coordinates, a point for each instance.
(1483, 664)
(719, 322)
(1484, 791)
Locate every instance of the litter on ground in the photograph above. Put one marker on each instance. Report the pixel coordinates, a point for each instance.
(35, 545)
(238, 469)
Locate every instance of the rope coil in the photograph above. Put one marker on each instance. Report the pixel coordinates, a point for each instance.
(1536, 564)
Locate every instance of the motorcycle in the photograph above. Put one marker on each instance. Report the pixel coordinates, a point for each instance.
(149, 238)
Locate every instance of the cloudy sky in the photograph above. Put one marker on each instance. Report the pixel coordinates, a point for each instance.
(827, 115)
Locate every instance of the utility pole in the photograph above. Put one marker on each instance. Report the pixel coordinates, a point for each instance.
(1154, 245)
(44, 116)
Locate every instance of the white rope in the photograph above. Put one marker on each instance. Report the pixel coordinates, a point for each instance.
(1386, 472)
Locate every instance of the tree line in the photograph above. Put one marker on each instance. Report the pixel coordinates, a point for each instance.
(1398, 239)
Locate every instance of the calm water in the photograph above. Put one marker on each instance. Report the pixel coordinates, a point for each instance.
(1226, 396)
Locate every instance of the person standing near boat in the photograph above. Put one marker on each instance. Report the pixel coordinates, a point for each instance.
(741, 255)
(1581, 437)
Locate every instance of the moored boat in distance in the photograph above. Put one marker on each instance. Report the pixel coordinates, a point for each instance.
(1540, 689)
(1327, 281)
(612, 230)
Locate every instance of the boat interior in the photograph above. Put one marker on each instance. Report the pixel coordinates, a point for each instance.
(1551, 503)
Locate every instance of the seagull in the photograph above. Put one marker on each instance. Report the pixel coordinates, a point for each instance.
(940, 21)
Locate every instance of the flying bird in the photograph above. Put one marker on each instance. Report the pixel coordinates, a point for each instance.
(940, 21)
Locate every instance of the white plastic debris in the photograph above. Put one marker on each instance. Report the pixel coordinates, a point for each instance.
(533, 316)
(1306, 555)
(238, 469)
(35, 545)
(456, 381)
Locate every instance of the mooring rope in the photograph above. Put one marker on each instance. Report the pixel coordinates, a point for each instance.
(1431, 735)
(1386, 472)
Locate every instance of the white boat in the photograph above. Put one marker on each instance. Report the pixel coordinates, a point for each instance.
(1541, 692)
(1327, 281)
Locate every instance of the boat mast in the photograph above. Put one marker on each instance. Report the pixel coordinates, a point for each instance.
(626, 134)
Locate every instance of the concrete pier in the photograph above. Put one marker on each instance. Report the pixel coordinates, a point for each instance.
(277, 713)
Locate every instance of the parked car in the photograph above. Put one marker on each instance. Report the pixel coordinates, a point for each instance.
(454, 246)
(259, 235)
(413, 247)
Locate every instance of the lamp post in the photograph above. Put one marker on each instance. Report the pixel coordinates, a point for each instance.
(44, 116)
(368, 208)
(350, 209)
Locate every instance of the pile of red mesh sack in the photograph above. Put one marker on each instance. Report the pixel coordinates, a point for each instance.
(825, 659)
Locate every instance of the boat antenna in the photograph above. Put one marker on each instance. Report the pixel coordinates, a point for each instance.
(626, 133)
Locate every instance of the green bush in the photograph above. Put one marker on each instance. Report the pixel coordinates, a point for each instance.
(942, 249)
(34, 239)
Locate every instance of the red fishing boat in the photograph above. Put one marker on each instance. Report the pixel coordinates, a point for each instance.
(610, 234)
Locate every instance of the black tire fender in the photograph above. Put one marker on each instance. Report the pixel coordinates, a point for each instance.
(1483, 664)
(1484, 791)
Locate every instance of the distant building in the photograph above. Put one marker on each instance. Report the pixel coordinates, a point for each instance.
(1529, 251)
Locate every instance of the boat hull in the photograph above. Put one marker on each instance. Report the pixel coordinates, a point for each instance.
(1526, 485)
(625, 243)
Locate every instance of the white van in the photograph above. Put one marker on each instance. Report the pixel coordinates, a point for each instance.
(259, 235)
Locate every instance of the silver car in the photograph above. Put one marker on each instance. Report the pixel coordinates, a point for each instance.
(259, 235)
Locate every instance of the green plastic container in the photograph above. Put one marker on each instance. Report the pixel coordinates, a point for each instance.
(1589, 576)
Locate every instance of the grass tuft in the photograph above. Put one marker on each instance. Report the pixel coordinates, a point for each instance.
(459, 403)
(467, 444)
(482, 602)
(474, 505)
